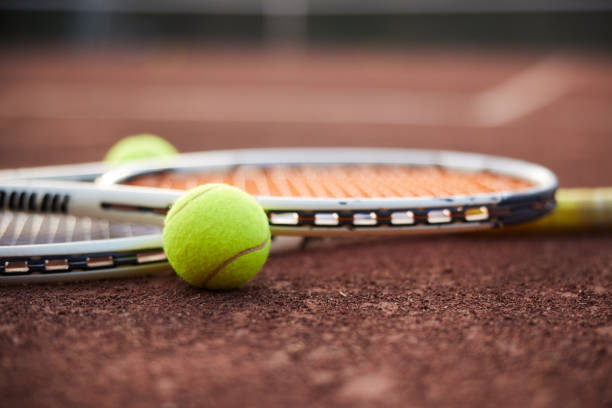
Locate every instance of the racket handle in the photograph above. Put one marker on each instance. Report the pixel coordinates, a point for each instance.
(578, 209)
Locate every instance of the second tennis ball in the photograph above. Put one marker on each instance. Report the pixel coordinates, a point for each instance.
(138, 147)
(216, 236)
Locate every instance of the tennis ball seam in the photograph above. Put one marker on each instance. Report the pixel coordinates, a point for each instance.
(186, 203)
(233, 258)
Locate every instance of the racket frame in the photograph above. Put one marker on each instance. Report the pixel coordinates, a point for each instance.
(346, 216)
(108, 200)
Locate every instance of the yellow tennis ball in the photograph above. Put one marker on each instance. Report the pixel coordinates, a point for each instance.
(138, 147)
(216, 236)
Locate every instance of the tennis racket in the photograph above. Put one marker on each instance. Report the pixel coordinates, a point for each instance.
(43, 246)
(60, 230)
(322, 192)
(316, 192)
(376, 173)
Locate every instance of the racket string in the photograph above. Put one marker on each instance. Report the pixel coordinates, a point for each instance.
(34, 229)
(346, 181)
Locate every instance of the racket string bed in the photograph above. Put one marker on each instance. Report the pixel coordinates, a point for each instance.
(341, 181)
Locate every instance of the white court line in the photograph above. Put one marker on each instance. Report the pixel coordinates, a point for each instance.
(233, 104)
(534, 88)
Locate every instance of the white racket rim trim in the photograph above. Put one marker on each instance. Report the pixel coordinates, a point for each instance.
(80, 171)
(135, 243)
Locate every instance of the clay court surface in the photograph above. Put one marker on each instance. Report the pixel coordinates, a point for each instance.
(502, 321)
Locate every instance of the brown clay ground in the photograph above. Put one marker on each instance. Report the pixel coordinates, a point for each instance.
(499, 321)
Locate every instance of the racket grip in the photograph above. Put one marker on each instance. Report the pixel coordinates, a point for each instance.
(578, 209)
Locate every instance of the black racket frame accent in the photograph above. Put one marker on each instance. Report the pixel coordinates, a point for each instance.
(81, 262)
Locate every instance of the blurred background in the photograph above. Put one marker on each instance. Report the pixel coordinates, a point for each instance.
(532, 23)
(435, 321)
(525, 78)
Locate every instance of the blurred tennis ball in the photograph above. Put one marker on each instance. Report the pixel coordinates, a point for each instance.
(216, 236)
(139, 147)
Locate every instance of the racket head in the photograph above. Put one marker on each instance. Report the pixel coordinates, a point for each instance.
(56, 247)
(40, 248)
(526, 193)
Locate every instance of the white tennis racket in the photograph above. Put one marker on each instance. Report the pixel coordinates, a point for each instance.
(42, 246)
(305, 192)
